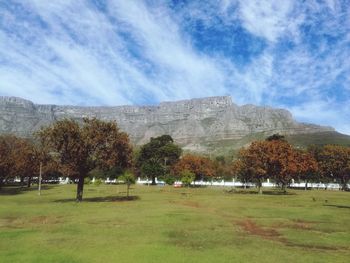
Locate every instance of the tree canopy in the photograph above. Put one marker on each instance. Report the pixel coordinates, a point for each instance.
(201, 167)
(156, 156)
(275, 159)
(80, 148)
(334, 163)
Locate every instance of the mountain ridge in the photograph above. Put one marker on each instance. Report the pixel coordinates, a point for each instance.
(192, 123)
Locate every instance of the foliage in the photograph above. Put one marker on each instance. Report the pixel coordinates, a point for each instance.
(18, 157)
(129, 179)
(276, 137)
(155, 157)
(152, 169)
(187, 177)
(273, 158)
(334, 163)
(169, 179)
(87, 180)
(224, 168)
(80, 149)
(201, 167)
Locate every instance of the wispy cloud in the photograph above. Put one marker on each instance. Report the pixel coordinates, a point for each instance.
(291, 54)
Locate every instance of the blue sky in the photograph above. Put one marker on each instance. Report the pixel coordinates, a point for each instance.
(289, 54)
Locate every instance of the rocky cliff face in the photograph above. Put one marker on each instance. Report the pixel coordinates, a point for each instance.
(192, 123)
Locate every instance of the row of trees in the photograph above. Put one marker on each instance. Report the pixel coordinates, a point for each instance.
(276, 159)
(67, 148)
(96, 147)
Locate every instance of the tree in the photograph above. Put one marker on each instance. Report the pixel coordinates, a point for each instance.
(18, 158)
(200, 166)
(155, 157)
(152, 168)
(79, 149)
(187, 177)
(252, 163)
(334, 162)
(275, 137)
(223, 168)
(283, 163)
(309, 169)
(25, 160)
(129, 179)
(273, 158)
(6, 160)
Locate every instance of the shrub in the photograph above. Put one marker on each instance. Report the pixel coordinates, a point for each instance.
(187, 177)
(98, 182)
(169, 180)
(87, 180)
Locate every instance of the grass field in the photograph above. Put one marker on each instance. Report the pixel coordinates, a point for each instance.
(173, 225)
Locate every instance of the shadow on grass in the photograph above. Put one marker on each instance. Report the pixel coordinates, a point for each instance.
(255, 192)
(339, 206)
(102, 199)
(15, 190)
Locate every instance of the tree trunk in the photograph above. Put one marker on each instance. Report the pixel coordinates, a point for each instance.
(153, 180)
(127, 190)
(344, 184)
(306, 185)
(40, 178)
(29, 181)
(22, 181)
(259, 188)
(80, 188)
(1, 181)
(284, 189)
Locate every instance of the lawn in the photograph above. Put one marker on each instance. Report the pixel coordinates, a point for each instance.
(165, 224)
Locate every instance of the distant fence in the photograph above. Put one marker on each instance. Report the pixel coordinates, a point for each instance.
(233, 183)
(330, 186)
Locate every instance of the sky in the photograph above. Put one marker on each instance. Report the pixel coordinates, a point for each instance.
(287, 54)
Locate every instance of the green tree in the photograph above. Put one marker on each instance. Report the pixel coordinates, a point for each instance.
(78, 149)
(155, 157)
(129, 179)
(275, 137)
(187, 177)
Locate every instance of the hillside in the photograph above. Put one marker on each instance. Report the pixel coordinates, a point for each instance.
(213, 124)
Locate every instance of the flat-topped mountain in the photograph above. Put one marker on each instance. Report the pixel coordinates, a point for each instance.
(196, 124)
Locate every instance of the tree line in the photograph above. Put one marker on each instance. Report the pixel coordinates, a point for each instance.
(98, 148)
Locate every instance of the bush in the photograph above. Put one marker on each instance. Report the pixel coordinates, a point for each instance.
(98, 182)
(169, 180)
(187, 177)
(87, 180)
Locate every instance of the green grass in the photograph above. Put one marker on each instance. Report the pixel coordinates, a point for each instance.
(173, 225)
(321, 138)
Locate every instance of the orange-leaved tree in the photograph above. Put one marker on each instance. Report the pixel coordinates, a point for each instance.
(276, 159)
(252, 163)
(6, 160)
(202, 167)
(334, 162)
(17, 158)
(287, 163)
(80, 148)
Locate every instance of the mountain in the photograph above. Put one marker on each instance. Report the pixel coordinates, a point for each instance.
(200, 125)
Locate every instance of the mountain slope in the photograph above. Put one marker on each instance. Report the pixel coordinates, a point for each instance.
(201, 125)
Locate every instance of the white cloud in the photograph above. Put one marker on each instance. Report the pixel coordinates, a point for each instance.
(70, 52)
(83, 55)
